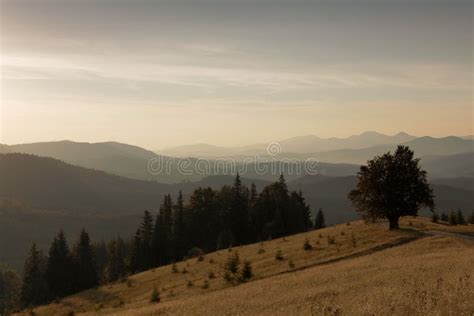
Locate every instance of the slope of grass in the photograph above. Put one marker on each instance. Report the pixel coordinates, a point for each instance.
(352, 269)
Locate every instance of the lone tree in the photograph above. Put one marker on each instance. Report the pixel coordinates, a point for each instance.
(391, 186)
(319, 221)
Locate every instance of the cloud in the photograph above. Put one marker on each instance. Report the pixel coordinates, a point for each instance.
(90, 68)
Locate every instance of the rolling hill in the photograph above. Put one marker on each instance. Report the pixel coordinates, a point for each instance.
(451, 166)
(356, 269)
(133, 162)
(115, 158)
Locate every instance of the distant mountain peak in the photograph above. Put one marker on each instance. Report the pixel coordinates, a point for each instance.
(399, 134)
(371, 133)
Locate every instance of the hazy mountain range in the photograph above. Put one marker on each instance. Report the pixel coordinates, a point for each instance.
(296, 145)
(442, 157)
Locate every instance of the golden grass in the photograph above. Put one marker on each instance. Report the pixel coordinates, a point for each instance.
(367, 270)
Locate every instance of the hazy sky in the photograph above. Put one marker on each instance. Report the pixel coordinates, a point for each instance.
(164, 73)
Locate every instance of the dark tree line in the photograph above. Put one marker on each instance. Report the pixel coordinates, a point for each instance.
(454, 218)
(210, 220)
(61, 273)
(216, 219)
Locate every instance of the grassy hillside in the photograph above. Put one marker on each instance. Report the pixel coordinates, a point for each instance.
(355, 268)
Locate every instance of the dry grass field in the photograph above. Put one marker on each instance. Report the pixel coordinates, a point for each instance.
(353, 269)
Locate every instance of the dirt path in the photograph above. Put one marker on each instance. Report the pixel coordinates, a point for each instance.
(466, 237)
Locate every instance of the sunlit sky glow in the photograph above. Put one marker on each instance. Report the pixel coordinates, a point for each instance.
(165, 73)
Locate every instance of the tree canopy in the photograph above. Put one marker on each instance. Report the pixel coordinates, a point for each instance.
(391, 186)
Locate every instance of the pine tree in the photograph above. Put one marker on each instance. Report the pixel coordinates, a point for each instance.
(179, 228)
(434, 217)
(34, 290)
(281, 219)
(9, 290)
(204, 222)
(253, 214)
(84, 263)
(135, 254)
(444, 217)
(162, 233)
(471, 218)
(116, 268)
(453, 218)
(146, 234)
(121, 254)
(319, 221)
(238, 213)
(142, 256)
(246, 273)
(300, 219)
(59, 270)
(460, 218)
(100, 254)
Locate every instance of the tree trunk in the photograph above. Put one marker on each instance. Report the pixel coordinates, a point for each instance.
(393, 222)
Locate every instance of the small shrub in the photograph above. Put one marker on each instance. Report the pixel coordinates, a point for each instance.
(155, 296)
(32, 313)
(71, 313)
(291, 264)
(174, 268)
(211, 261)
(228, 277)
(307, 245)
(343, 233)
(246, 273)
(205, 285)
(353, 240)
(320, 235)
(200, 258)
(348, 224)
(184, 271)
(190, 283)
(211, 275)
(195, 252)
(129, 283)
(260, 250)
(97, 307)
(233, 262)
(171, 294)
(331, 240)
(279, 255)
